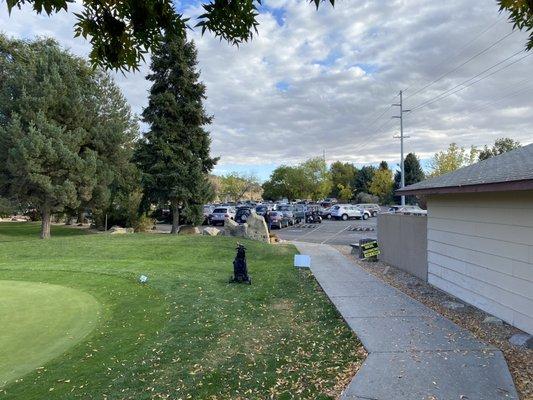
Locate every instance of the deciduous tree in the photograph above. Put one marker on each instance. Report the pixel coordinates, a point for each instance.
(342, 174)
(502, 145)
(235, 185)
(317, 177)
(382, 185)
(453, 158)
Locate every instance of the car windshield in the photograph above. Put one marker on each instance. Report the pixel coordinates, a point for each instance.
(335, 207)
(220, 210)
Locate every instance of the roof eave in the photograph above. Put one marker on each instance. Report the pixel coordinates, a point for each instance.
(525, 184)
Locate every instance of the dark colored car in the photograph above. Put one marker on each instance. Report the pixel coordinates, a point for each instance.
(278, 219)
(242, 214)
(261, 210)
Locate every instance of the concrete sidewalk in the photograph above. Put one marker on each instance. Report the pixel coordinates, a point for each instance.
(414, 352)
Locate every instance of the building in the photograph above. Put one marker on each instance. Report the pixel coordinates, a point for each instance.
(480, 234)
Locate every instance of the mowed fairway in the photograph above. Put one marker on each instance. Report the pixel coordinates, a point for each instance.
(187, 334)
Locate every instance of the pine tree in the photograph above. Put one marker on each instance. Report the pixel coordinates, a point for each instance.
(43, 112)
(174, 154)
(413, 174)
(64, 135)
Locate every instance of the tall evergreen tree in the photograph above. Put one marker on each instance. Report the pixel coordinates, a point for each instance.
(413, 174)
(174, 154)
(364, 178)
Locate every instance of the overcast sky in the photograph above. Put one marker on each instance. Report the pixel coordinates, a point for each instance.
(315, 81)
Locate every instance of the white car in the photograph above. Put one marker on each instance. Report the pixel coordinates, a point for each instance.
(366, 213)
(407, 209)
(347, 211)
(219, 214)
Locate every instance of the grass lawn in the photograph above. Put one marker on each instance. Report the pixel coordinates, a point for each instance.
(187, 334)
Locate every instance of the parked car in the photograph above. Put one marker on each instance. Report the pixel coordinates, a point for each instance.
(407, 209)
(345, 212)
(207, 213)
(325, 213)
(298, 212)
(288, 212)
(242, 214)
(373, 209)
(261, 209)
(278, 220)
(220, 214)
(366, 213)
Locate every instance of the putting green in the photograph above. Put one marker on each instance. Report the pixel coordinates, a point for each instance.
(39, 322)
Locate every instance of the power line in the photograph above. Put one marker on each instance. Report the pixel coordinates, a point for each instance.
(481, 33)
(379, 116)
(461, 65)
(511, 94)
(451, 91)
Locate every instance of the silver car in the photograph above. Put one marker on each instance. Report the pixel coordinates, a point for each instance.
(288, 212)
(373, 209)
(219, 215)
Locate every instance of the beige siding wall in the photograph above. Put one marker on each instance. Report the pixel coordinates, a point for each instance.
(480, 249)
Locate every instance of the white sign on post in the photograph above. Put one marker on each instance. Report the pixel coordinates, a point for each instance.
(302, 261)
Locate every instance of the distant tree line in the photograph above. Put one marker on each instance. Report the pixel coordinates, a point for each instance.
(313, 180)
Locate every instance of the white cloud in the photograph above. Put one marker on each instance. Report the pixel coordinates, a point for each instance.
(316, 82)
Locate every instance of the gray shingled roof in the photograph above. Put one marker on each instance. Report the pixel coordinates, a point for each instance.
(515, 165)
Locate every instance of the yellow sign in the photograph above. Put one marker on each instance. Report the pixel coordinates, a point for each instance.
(370, 249)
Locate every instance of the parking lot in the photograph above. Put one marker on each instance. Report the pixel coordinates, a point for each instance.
(330, 232)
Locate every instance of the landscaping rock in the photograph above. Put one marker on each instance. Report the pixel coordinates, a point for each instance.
(234, 229)
(492, 320)
(524, 340)
(452, 305)
(210, 231)
(117, 230)
(256, 228)
(189, 230)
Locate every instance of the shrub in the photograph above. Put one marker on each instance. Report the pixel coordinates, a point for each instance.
(363, 197)
(144, 224)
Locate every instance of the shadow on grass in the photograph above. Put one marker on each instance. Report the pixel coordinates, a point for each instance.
(12, 231)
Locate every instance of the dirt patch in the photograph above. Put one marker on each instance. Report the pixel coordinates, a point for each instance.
(520, 360)
(283, 305)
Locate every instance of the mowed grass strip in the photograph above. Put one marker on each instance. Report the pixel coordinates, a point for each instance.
(188, 333)
(39, 322)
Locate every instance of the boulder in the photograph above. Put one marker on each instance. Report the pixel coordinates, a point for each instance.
(234, 229)
(189, 230)
(117, 230)
(210, 231)
(256, 228)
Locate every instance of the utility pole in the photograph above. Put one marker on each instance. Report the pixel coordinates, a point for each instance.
(401, 137)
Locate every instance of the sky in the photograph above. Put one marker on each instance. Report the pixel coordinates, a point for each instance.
(322, 82)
